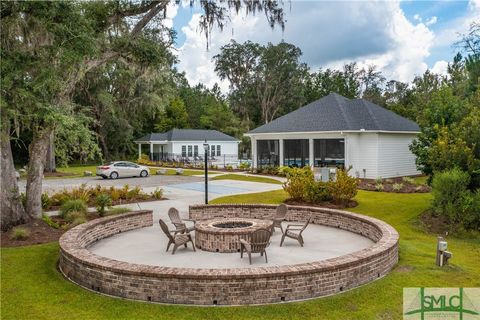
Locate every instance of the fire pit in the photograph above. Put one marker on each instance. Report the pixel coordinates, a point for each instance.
(224, 234)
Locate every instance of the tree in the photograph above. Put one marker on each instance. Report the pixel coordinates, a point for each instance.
(175, 116)
(324, 82)
(48, 48)
(267, 82)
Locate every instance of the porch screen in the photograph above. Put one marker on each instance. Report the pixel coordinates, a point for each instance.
(267, 153)
(295, 153)
(329, 152)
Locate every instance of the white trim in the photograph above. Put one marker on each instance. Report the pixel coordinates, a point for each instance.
(338, 131)
(186, 141)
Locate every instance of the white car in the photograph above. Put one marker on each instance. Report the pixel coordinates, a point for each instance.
(122, 169)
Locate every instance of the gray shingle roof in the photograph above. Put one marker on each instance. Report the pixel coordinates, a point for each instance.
(337, 113)
(187, 135)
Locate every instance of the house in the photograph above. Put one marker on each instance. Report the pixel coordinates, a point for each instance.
(186, 145)
(335, 131)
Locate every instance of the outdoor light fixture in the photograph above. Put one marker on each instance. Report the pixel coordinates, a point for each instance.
(205, 147)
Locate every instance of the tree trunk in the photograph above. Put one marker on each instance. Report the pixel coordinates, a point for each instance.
(12, 211)
(50, 165)
(37, 153)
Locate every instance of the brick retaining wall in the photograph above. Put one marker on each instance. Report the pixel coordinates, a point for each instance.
(256, 285)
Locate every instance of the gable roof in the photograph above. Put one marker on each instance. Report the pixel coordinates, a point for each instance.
(337, 113)
(187, 135)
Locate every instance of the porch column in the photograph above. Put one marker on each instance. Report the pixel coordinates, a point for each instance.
(310, 153)
(139, 150)
(151, 151)
(280, 152)
(254, 152)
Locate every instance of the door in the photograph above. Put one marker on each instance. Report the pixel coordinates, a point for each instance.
(122, 169)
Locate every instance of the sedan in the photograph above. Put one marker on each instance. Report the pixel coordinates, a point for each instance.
(122, 169)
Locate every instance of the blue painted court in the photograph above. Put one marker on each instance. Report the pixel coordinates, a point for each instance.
(212, 188)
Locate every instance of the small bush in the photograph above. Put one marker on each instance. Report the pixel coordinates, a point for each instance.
(379, 187)
(118, 210)
(50, 222)
(344, 188)
(78, 220)
(453, 200)
(408, 180)
(316, 192)
(297, 180)
(379, 180)
(397, 187)
(75, 205)
(73, 215)
(102, 202)
(389, 181)
(20, 233)
(157, 193)
(244, 166)
(45, 201)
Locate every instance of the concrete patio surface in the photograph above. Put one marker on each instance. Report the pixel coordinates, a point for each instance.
(148, 245)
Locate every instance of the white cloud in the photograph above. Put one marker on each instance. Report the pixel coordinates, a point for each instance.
(431, 21)
(417, 17)
(329, 35)
(440, 67)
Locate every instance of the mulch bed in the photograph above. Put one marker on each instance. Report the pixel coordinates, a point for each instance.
(435, 224)
(114, 203)
(326, 204)
(57, 174)
(40, 232)
(369, 185)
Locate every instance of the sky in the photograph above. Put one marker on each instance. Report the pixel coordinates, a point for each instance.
(402, 38)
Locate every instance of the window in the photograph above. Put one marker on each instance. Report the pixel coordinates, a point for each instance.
(189, 151)
(267, 153)
(295, 153)
(212, 150)
(219, 153)
(195, 151)
(184, 151)
(329, 152)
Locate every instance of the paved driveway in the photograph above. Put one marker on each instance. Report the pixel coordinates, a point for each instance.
(152, 181)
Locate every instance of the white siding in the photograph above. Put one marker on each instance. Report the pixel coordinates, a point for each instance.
(362, 154)
(394, 157)
(227, 148)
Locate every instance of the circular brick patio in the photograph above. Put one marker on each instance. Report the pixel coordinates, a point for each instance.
(234, 286)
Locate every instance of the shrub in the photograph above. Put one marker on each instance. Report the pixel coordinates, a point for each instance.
(78, 220)
(378, 180)
(344, 188)
(389, 181)
(229, 167)
(397, 187)
(20, 233)
(157, 193)
(118, 210)
(317, 191)
(73, 215)
(103, 201)
(50, 222)
(408, 180)
(452, 200)
(77, 205)
(297, 180)
(379, 187)
(244, 166)
(45, 201)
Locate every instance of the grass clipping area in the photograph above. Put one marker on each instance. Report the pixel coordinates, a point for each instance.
(32, 288)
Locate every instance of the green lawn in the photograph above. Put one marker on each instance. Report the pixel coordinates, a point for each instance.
(246, 178)
(32, 288)
(77, 171)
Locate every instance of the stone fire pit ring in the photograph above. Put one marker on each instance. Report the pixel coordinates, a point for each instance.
(224, 234)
